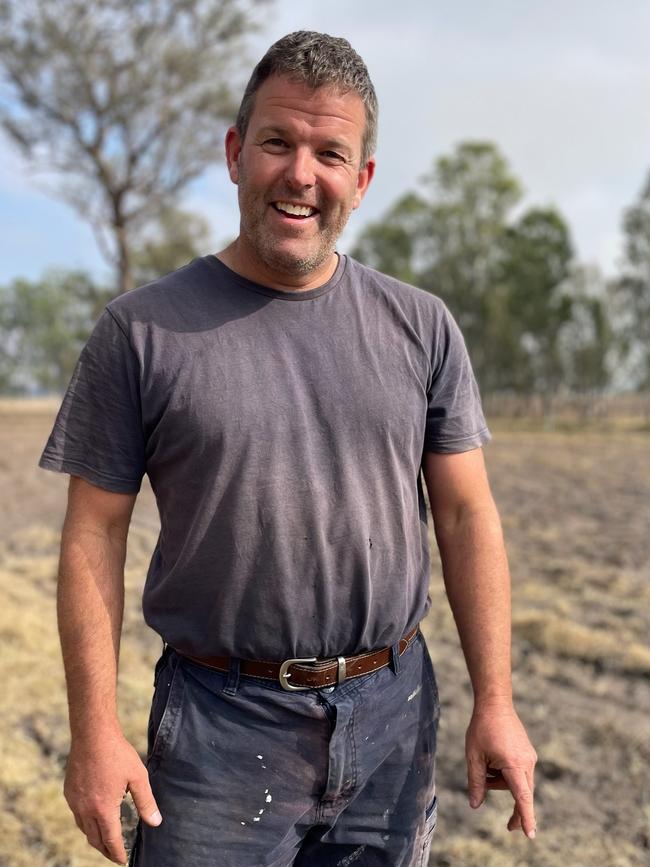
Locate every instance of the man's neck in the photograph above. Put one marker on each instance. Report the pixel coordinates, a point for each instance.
(233, 258)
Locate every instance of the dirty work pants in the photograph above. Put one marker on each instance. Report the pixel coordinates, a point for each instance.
(247, 774)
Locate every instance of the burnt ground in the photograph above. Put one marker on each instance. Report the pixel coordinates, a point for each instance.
(575, 509)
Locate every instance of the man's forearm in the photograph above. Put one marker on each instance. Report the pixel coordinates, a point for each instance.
(90, 605)
(477, 580)
(470, 539)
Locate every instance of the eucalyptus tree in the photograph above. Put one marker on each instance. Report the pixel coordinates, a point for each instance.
(121, 103)
(632, 288)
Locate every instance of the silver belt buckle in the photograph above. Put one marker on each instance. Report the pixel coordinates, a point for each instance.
(285, 674)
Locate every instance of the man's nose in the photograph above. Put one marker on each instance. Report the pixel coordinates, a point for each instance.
(300, 169)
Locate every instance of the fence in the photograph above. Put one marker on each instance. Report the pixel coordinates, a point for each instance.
(564, 408)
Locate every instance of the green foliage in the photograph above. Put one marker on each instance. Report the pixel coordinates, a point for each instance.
(632, 289)
(391, 245)
(43, 326)
(505, 281)
(45, 323)
(472, 193)
(536, 255)
(178, 237)
(588, 343)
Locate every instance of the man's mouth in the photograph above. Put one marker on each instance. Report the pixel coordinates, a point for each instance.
(297, 212)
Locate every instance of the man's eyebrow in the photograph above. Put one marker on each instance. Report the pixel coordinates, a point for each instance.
(272, 130)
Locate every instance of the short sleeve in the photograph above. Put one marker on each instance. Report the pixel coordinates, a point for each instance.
(455, 420)
(98, 431)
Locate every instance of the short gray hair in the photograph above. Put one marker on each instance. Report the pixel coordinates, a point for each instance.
(317, 60)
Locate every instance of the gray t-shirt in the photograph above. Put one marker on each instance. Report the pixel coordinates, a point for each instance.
(282, 433)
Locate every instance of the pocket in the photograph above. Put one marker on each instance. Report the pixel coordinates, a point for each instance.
(133, 854)
(165, 713)
(430, 822)
(428, 667)
(164, 656)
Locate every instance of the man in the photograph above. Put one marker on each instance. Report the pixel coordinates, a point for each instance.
(282, 400)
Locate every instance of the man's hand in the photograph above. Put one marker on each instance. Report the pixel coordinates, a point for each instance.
(500, 756)
(98, 775)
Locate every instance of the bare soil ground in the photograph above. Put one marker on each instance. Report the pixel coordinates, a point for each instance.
(575, 508)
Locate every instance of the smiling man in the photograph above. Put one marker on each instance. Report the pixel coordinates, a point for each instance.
(298, 163)
(286, 404)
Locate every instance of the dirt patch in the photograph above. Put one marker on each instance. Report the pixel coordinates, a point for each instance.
(575, 510)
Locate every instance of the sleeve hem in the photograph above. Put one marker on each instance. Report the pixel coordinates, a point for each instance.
(75, 468)
(459, 444)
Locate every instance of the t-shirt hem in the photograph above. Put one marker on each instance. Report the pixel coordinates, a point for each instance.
(76, 468)
(459, 444)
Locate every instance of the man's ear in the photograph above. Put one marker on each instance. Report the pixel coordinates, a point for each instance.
(363, 180)
(233, 150)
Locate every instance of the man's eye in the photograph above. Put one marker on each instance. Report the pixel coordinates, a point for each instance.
(274, 143)
(333, 156)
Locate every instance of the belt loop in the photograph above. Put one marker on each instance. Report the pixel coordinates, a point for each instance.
(232, 683)
(394, 658)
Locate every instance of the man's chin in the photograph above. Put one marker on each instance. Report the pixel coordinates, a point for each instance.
(297, 262)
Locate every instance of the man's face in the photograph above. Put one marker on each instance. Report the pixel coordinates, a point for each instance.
(299, 177)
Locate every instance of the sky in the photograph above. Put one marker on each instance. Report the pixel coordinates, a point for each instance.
(561, 86)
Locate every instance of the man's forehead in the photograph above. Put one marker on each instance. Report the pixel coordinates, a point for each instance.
(280, 94)
(289, 82)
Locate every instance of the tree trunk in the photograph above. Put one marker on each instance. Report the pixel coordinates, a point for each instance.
(124, 273)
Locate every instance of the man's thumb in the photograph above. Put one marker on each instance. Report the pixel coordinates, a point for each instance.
(476, 784)
(145, 803)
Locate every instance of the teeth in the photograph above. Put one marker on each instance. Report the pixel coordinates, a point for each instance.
(295, 210)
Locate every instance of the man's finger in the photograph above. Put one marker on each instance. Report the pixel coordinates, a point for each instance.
(521, 792)
(144, 801)
(530, 776)
(476, 783)
(110, 830)
(78, 822)
(91, 830)
(514, 823)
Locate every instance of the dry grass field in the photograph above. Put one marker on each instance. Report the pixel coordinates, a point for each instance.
(575, 508)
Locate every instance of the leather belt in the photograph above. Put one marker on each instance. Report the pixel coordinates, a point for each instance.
(308, 672)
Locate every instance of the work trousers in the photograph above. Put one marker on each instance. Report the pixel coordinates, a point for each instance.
(247, 774)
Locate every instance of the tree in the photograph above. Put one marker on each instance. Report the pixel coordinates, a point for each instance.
(45, 323)
(632, 289)
(450, 242)
(392, 245)
(503, 280)
(473, 192)
(43, 327)
(125, 100)
(535, 263)
(587, 342)
(177, 238)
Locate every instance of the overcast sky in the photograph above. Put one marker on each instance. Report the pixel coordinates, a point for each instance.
(562, 87)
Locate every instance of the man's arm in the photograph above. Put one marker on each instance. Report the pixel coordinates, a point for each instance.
(102, 765)
(475, 568)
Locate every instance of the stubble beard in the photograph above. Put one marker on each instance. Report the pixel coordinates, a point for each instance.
(286, 261)
(265, 246)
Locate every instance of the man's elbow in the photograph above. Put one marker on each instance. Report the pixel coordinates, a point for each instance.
(467, 519)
